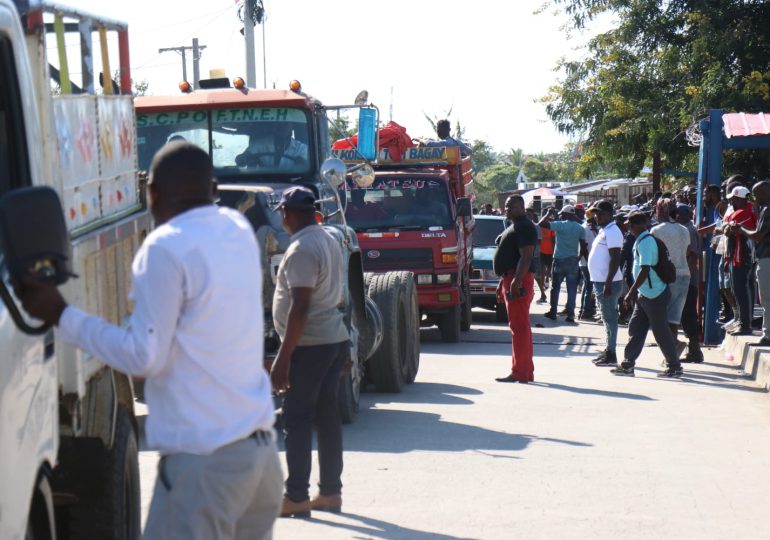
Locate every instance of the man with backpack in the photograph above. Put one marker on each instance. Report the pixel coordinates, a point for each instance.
(652, 272)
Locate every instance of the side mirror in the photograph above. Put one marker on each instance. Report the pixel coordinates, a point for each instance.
(464, 207)
(333, 171)
(363, 175)
(367, 133)
(34, 235)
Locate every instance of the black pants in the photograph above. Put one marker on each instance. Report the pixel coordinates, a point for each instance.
(650, 313)
(743, 289)
(689, 321)
(312, 400)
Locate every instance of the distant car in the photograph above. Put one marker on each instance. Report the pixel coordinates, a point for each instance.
(483, 279)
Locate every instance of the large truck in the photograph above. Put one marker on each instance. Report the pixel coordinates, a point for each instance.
(262, 142)
(69, 205)
(416, 217)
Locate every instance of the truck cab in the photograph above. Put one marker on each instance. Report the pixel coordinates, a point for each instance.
(415, 217)
(69, 206)
(262, 142)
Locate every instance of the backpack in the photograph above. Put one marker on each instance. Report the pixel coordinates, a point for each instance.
(664, 267)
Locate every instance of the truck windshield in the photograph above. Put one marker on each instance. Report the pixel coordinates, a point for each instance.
(393, 203)
(242, 142)
(487, 230)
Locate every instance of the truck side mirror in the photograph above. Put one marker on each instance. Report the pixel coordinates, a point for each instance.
(333, 171)
(33, 234)
(367, 133)
(464, 207)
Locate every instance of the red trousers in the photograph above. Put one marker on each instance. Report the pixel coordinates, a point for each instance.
(521, 328)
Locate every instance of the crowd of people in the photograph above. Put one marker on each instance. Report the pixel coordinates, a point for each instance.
(635, 263)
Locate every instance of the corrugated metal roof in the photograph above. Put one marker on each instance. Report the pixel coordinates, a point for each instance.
(746, 125)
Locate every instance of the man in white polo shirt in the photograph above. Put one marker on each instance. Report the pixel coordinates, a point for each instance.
(194, 335)
(604, 267)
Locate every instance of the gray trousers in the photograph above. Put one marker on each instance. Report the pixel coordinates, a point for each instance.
(651, 313)
(763, 282)
(234, 493)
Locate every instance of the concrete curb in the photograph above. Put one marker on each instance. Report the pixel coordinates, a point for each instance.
(751, 358)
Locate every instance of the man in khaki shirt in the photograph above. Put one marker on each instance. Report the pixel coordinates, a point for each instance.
(307, 310)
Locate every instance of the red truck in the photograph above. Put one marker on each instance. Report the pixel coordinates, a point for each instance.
(415, 216)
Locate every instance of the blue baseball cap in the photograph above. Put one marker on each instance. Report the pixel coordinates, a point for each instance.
(298, 198)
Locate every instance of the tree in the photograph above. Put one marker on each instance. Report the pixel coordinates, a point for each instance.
(642, 83)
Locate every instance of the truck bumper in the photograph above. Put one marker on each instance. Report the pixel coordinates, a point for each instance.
(484, 294)
(437, 299)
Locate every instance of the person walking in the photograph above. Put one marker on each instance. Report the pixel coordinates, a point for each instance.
(652, 297)
(570, 244)
(738, 258)
(309, 318)
(606, 279)
(690, 324)
(546, 257)
(198, 299)
(676, 238)
(513, 263)
(761, 238)
(536, 264)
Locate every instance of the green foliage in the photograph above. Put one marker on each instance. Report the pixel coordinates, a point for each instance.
(664, 65)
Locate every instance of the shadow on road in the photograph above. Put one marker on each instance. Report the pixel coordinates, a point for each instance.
(376, 528)
(427, 431)
(470, 341)
(594, 391)
(426, 392)
(718, 380)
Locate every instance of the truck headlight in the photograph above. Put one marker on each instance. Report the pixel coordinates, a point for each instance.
(424, 279)
(443, 279)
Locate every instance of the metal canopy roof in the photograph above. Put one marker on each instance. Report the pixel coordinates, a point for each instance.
(746, 125)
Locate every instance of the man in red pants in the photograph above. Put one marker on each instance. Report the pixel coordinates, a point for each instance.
(513, 263)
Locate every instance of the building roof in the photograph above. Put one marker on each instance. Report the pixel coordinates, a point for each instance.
(746, 125)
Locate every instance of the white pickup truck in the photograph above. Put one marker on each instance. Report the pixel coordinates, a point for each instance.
(70, 204)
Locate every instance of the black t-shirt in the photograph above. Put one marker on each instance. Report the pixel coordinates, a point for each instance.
(521, 233)
(762, 249)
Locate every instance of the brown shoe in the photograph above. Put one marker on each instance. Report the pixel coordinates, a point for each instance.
(327, 503)
(295, 509)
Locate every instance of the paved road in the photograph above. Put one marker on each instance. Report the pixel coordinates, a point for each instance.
(578, 454)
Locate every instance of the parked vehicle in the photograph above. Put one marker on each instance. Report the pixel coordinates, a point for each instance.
(483, 278)
(262, 142)
(68, 437)
(415, 217)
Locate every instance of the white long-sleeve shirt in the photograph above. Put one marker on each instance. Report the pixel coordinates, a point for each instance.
(196, 332)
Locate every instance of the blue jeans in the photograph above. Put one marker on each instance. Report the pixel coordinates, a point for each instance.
(587, 302)
(609, 308)
(565, 269)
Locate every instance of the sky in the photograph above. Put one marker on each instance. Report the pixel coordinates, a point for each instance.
(488, 61)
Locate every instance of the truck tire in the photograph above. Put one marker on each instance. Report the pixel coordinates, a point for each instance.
(413, 330)
(466, 308)
(449, 324)
(389, 365)
(41, 524)
(116, 514)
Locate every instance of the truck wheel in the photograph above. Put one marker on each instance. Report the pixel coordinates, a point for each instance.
(467, 309)
(413, 328)
(116, 512)
(389, 366)
(449, 324)
(41, 524)
(501, 314)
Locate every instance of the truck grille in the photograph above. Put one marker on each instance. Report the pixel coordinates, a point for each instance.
(395, 259)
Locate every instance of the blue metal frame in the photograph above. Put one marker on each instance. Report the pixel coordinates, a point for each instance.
(713, 144)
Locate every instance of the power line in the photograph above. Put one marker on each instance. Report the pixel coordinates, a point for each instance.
(195, 49)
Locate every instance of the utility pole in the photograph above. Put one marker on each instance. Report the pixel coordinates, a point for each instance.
(248, 33)
(196, 51)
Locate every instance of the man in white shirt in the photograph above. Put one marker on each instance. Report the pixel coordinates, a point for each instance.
(194, 335)
(604, 268)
